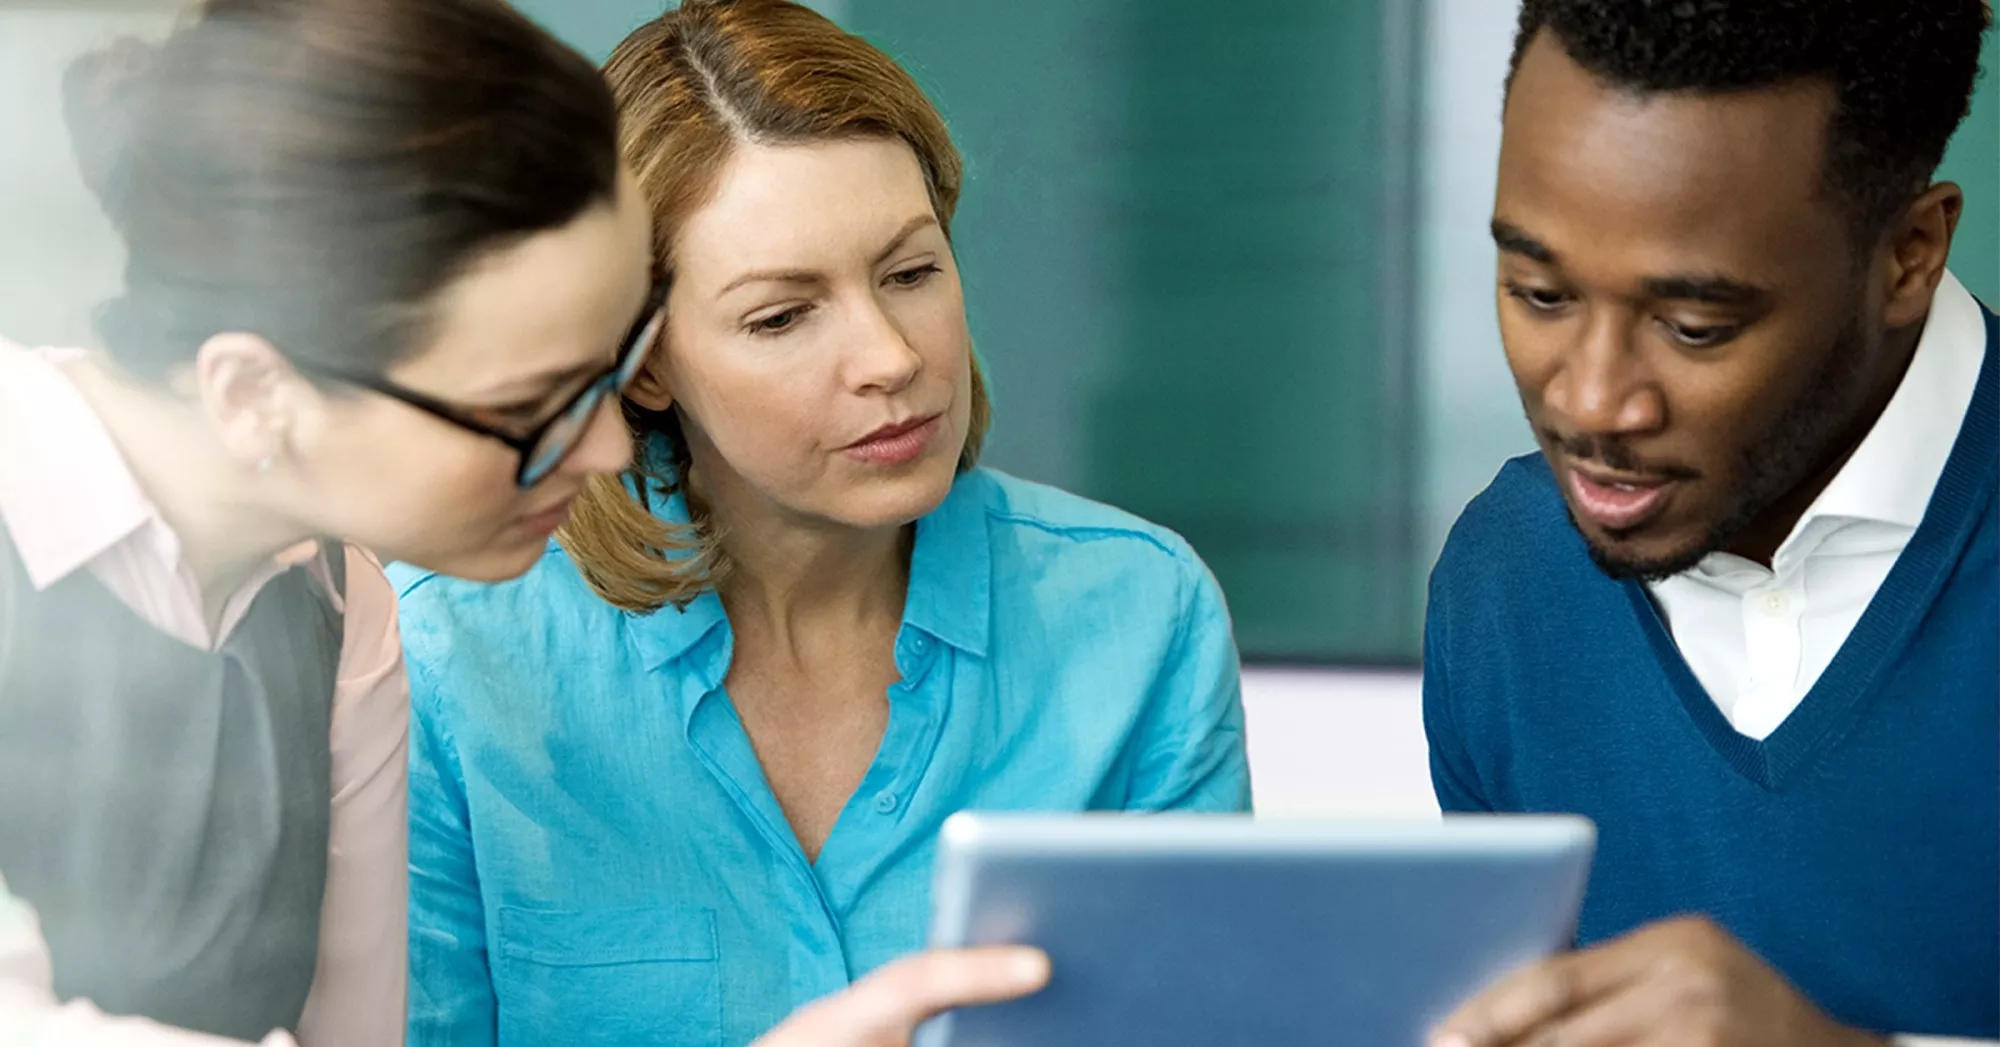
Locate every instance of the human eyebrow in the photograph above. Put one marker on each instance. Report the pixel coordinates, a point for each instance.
(1512, 239)
(1709, 290)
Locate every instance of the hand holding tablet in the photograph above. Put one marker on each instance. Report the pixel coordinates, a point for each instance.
(1215, 930)
(1677, 981)
(885, 1008)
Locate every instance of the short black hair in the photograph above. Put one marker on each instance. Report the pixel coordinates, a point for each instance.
(1902, 72)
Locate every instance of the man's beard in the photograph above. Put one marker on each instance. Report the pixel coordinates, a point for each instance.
(1798, 444)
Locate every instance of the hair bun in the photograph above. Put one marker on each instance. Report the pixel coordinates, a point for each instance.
(97, 92)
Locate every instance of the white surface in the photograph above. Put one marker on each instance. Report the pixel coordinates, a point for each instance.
(1472, 416)
(1332, 743)
(58, 254)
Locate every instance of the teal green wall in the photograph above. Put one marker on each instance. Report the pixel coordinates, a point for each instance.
(594, 27)
(1974, 163)
(1173, 244)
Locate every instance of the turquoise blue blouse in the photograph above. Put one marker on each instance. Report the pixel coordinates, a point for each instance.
(595, 856)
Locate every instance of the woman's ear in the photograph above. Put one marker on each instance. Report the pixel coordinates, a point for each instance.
(650, 388)
(250, 394)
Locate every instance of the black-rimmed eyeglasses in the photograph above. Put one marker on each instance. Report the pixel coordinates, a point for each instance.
(548, 444)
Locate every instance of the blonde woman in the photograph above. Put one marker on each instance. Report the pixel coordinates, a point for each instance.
(686, 775)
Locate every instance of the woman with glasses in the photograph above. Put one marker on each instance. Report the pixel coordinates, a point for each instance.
(688, 772)
(384, 271)
(374, 300)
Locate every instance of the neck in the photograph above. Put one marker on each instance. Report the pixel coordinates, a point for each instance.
(788, 575)
(1760, 541)
(225, 529)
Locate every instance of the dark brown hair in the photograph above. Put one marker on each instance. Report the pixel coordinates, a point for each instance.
(692, 86)
(315, 171)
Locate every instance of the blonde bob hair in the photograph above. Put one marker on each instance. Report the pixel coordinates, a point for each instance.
(691, 86)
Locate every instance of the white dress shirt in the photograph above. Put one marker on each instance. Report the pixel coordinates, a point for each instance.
(70, 503)
(1758, 638)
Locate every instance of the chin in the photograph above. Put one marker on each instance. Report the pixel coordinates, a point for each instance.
(502, 560)
(1643, 557)
(905, 500)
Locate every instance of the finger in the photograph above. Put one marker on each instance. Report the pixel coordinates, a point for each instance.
(1539, 995)
(886, 1007)
(1633, 1014)
(924, 984)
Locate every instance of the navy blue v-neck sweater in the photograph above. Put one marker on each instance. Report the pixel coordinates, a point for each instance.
(1857, 849)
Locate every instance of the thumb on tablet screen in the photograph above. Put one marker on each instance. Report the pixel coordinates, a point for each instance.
(885, 1008)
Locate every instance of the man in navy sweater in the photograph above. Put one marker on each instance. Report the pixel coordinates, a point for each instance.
(1742, 608)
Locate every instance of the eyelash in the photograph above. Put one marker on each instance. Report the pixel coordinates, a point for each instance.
(1700, 337)
(780, 322)
(1690, 337)
(771, 324)
(1531, 297)
(922, 274)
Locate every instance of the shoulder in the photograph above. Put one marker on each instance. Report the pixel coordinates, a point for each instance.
(1516, 593)
(371, 647)
(1033, 512)
(1521, 494)
(452, 625)
(429, 594)
(371, 714)
(367, 599)
(1058, 548)
(1506, 527)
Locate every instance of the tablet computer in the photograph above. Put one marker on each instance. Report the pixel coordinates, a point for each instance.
(1219, 930)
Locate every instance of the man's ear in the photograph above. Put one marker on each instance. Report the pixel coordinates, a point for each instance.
(250, 395)
(1917, 249)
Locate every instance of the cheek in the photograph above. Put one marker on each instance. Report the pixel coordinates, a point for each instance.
(1533, 356)
(937, 330)
(961, 403)
(766, 423)
(412, 488)
(1716, 406)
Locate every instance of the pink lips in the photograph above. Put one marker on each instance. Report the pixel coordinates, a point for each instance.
(548, 521)
(897, 444)
(1616, 503)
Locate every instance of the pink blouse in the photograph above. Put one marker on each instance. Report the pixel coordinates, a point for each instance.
(71, 503)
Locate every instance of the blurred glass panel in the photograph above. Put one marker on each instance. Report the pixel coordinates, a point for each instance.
(1183, 283)
(58, 254)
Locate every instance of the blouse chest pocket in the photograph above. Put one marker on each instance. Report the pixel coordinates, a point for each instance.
(589, 977)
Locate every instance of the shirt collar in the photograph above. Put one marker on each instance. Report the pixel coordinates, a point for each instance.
(67, 496)
(951, 570)
(1892, 473)
(950, 594)
(669, 634)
